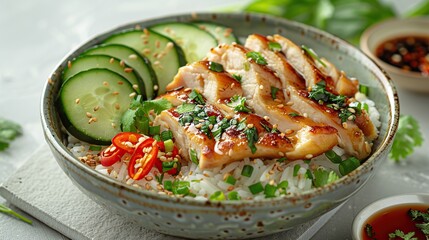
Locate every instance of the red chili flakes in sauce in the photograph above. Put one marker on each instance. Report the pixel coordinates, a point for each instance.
(408, 53)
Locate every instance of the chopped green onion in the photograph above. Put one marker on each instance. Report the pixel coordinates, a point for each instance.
(166, 135)
(167, 166)
(168, 185)
(274, 91)
(282, 159)
(193, 156)
(94, 148)
(196, 180)
(233, 195)
(247, 171)
(366, 107)
(294, 114)
(296, 169)
(168, 145)
(246, 66)
(9, 211)
(274, 46)
(154, 130)
(217, 196)
(157, 138)
(333, 156)
(348, 165)
(141, 124)
(283, 184)
(237, 77)
(308, 174)
(363, 89)
(257, 57)
(270, 191)
(313, 55)
(216, 67)
(230, 180)
(180, 187)
(256, 188)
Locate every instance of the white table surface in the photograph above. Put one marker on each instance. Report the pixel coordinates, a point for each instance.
(36, 35)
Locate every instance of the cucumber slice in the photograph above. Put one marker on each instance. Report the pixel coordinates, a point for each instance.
(91, 104)
(139, 63)
(196, 43)
(223, 34)
(83, 63)
(163, 53)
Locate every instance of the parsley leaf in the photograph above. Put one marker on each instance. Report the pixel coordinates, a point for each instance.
(8, 132)
(197, 97)
(402, 235)
(257, 57)
(238, 103)
(408, 136)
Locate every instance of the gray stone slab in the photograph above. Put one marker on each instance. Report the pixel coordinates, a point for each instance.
(41, 189)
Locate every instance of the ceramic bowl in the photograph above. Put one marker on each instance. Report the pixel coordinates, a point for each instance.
(231, 219)
(389, 29)
(372, 209)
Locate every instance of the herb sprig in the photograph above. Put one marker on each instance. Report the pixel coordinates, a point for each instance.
(6, 210)
(8, 132)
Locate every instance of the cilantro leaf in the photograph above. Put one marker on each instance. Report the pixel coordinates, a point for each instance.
(157, 105)
(252, 138)
(323, 177)
(408, 136)
(238, 103)
(424, 227)
(8, 132)
(402, 235)
(237, 77)
(197, 97)
(257, 57)
(216, 67)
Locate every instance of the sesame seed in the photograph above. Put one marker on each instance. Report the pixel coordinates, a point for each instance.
(352, 110)
(351, 117)
(112, 60)
(132, 56)
(230, 188)
(271, 172)
(96, 108)
(288, 131)
(117, 106)
(344, 125)
(115, 93)
(156, 63)
(120, 83)
(281, 154)
(105, 83)
(277, 100)
(309, 156)
(289, 103)
(69, 64)
(270, 38)
(261, 87)
(146, 51)
(169, 45)
(50, 81)
(210, 126)
(77, 101)
(282, 135)
(280, 105)
(88, 114)
(305, 115)
(128, 70)
(135, 86)
(249, 125)
(122, 63)
(267, 118)
(199, 125)
(187, 89)
(155, 87)
(275, 126)
(145, 31)
(147, 186)
(113, 125)
(133, 94)
(194, 15)
(148, 178)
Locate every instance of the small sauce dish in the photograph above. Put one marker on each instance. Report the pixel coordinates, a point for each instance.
(388, 215)
(401, 48)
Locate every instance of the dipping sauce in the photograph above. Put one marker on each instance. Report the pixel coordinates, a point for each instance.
(408, 53)
(394, 218)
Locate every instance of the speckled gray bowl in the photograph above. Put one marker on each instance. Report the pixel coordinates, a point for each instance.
(235, 219)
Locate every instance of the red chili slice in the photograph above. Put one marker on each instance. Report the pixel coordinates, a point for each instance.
(111, 155)
(146, 160)
(122, 138)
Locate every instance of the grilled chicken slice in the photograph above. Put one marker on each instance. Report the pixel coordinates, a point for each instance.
(314, 72)
(355, 139)
(309, 138)
(232, 144)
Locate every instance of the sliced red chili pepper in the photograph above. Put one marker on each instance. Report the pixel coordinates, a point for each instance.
(121, 139)
(146, 160)
(111, 155)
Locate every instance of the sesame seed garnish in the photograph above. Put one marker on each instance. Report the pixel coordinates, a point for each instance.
(156, 63)
(249, 125)
(112, 60)
(352, 110)
(146, 51)
(117, 106)
(122, 63)
(267, 118)
(169, 45)
(105, 83)
(148, 178)
(271, 172)
(277, 100)
(88, 115)
(147, 186)
(135, 86)
(120, 83)
(275, 126)
(155, 87)
(270, 38)
(282, 135)
(199, 125)
(230, 188)
(305, 114)
(77, 101)
(69, 64)
(133, 94)
(351, 117)
(281, 154)
(113, 125)
(96, 108)
(194, 15)
(128, 70)
(210, 126)
(228, 32)
(132, 56)
(115, 93)
(344, 125)
(187, 89)
(261, 87)
(145, 31)
(288, 131)
(280, 105)
(289, 103)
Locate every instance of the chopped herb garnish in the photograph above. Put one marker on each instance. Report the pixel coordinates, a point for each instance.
(282, 159)
(237, 77)
(186, 107)
(268, 128)
(238, 103)
(308, 174)
(322, 177)
(400, 234)
(154, 130)
(167, 166)
(296, 169)
(313, 55)
(294, 114)
(216, 67)
(274, 91)
(180, 187)
(230, 180)
(217, 196)
(274, 46)
(369, 231)
(197, 97)
(252, 138)
(256, 188)
(193, 156)
(166, 135)
(283, 184)
(94, 148)
(363, 89)
(348, 165)
(9, 211)
(270, 191)
(257, 57)
(333, 156)
(247, 171)
(345, 115)
(168, 185)
(233, 195)
(408, 136)
(159, 178)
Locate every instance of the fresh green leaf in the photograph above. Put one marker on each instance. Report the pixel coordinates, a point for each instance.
(400, 234)
(417, 215)
(274, 46)
(238, 103)
(217, 196)
(294, 114)
(6, 210)
(408, 136)
(186, 107)
(424, 227)
(252, 138)
(237, 77)
(257, 57)
(312, 53)
(216, 67)
(369, 231)
(256, 188)
(323, 177)
(157, 105)
(9, 130)
(197, 97)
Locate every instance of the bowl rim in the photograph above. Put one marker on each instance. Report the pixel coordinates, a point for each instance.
(384, 203)
(375, 29)
(382, 77)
